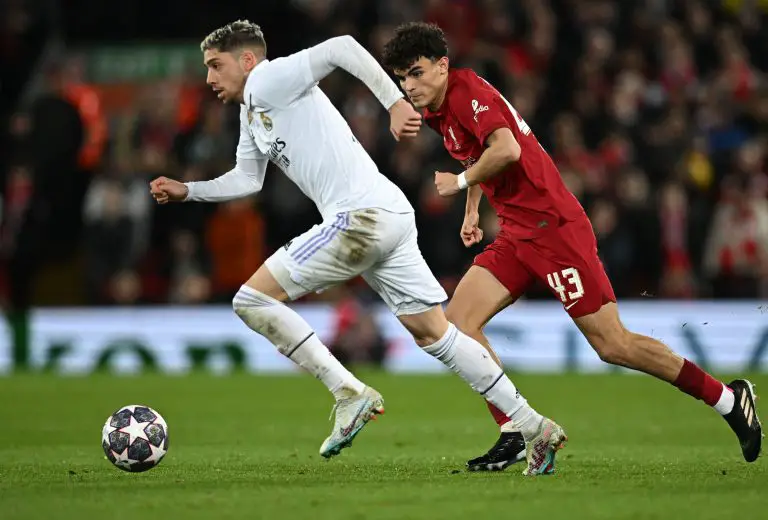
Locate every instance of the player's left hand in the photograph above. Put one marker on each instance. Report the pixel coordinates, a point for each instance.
(447, 183)
(470, 230)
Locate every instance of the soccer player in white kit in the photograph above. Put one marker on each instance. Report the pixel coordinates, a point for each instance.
(368, 225)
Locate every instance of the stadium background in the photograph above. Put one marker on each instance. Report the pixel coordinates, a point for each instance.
(655, 111)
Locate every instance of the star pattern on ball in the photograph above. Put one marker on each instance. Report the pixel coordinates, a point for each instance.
(122, 460)
(135, 430)
(157, 454)
(129, 447)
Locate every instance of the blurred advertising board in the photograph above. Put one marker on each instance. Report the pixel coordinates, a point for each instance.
(529, 337)
(138, 74)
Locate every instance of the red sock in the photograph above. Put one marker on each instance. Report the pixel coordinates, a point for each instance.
(498, 415)
(695, 382)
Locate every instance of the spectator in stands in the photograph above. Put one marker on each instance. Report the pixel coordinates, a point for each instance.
(189, 270)
(647, 107)
(235, 242)
(736, 257)
(110, 244)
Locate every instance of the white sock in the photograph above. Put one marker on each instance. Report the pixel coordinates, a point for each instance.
(473, 364)
(724, 405)
(294, 338)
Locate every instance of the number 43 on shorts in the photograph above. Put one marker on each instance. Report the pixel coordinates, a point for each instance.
(563, 281)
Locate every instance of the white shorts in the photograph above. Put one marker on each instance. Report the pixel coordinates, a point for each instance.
(379, 245)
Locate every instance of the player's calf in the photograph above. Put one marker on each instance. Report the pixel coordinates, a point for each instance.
(355, 405)
(295, 339)
(470, 316)
(735, 401)
(618, 346)
(471, 361)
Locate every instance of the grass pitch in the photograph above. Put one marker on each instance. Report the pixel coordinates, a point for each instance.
(246, 447)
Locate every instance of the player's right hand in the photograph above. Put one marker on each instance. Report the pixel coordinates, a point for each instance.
(404, 120)
(470, 232)
(166, 190)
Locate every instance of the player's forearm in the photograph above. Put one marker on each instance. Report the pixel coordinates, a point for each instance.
(474, 195)
(493, 161)
(232, 185)
(345, 52)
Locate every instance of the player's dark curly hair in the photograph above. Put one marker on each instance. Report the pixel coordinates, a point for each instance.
(234, 36)
(414, 40)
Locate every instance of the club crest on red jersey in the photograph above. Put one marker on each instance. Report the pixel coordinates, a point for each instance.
(456, 144)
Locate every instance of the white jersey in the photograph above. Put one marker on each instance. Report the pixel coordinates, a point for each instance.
(290, 121)
(368, 225)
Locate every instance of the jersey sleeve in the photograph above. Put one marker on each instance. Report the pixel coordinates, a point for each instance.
(246, 178)
(278, 83)
(346, 53)
(246, 146)
(478, 110)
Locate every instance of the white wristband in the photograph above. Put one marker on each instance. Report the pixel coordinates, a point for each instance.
(463, 181)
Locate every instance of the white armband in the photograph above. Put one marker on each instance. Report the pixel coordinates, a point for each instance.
(463, 180)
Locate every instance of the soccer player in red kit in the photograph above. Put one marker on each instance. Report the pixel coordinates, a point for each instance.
(545, 234)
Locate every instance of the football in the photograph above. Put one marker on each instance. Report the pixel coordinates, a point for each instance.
(135, 438)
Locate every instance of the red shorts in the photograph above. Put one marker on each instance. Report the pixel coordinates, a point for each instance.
(565, 260)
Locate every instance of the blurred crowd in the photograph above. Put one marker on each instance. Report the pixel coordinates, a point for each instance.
(655, 111)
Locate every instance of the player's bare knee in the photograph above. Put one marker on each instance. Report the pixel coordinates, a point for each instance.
(423, 335)
(426, 327)
(264, 282)
(425, 341)
(463, 321)
(427, 334)
(614, 348)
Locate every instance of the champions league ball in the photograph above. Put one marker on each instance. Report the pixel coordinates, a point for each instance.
(135, 438)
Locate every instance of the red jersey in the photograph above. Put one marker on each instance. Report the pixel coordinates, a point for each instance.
(529, 196)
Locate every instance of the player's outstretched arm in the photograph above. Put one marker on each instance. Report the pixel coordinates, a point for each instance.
(346, 53)
(283, 81)
(245, 179)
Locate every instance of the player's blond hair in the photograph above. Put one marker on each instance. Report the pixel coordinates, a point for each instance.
(235, 36)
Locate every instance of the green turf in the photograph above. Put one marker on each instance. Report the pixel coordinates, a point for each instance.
(246, 447)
